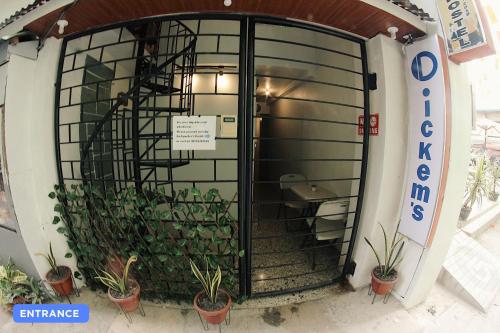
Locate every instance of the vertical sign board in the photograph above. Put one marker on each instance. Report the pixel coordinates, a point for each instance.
(427, 138)
(466, 29)
(374, 124)
(193, 132)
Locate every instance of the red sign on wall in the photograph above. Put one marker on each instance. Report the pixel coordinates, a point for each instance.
(373, 124)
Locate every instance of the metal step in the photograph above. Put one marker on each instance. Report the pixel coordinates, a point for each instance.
(162, 109)
(163, 163)
(160, 88)
(155, 135)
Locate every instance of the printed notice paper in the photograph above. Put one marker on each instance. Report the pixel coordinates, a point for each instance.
(193, 132)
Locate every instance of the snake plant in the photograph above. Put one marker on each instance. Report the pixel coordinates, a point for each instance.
(210, 284)
(114, 281)
(392, 254)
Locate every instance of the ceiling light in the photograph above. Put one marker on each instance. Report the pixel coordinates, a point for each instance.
(228, 3)
(393, 31)
(62, 24)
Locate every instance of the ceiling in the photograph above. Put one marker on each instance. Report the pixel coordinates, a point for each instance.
(354, 16)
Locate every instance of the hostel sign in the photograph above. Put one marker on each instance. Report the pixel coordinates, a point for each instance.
(426, 140)
(466, 29)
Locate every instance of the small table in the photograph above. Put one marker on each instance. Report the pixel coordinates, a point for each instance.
(314, 198)
(305, 192)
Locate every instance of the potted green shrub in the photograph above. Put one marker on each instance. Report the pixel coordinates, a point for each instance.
(212, 303)
(18, 288)
(59, 277)
(385, 276)
(494, 171)
(122, 290)
(476, 187)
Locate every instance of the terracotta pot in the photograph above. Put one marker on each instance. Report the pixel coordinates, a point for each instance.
(130, 303)
(213, 317)
(464, 213)
(16, 300)
(62, 286)
(382, 287)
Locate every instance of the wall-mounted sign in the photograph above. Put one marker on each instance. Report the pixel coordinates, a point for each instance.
(374, 121)
(466, 29)
(193, 133)
(228, 126)
(426, 163)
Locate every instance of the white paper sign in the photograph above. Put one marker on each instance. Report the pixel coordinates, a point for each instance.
(427, 134)
(193, 133)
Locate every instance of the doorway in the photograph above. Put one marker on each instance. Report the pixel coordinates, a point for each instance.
(292, 168)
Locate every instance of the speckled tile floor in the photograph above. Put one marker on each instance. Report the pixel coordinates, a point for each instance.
(279, 259)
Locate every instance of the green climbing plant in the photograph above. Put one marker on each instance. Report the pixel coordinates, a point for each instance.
(163, 231)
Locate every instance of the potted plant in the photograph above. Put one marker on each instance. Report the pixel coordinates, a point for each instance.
(18, 288)
(476, 187)
(122, 290)
(59, 277)
(494, 171)
(385, 276)
(212, 303)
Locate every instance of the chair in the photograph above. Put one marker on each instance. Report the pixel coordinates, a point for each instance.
(286, 182)
(329, 223)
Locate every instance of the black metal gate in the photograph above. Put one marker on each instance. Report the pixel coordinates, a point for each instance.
(297, 92)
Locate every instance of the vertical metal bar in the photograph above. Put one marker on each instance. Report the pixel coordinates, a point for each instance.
(57, 111)
(364, 162)
(135, 116)
(249, 147)
(242, 181)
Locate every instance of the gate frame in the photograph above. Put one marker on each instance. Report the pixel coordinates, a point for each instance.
(245, 127)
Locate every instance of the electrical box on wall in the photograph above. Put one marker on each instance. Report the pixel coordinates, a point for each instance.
(228, 126)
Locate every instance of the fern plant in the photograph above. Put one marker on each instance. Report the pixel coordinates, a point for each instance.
(392, 254)
(115, 282)
(210, 284)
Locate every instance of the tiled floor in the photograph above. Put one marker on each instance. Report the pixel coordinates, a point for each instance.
(280, 258)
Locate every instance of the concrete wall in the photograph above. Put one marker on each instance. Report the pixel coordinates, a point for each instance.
(385, 179)
(29, 139)
(387, 154)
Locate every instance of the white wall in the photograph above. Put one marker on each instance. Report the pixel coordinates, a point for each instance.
(386, 164)
(29, 123)
(387, 154)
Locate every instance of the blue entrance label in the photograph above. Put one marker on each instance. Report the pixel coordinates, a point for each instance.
(51, 313)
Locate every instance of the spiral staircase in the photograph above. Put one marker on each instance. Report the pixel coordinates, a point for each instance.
(139, 120)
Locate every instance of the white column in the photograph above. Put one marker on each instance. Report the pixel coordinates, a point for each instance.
(30, 151)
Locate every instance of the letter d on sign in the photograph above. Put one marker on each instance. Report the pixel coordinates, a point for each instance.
(417, 69)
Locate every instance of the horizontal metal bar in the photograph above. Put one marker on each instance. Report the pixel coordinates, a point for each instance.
(153, 181)
(299, 218)
(318, 101)
(308, 81)
(265, 116)
(297, 275)
(307, 159)
(302, 288)
(309, 248)
(303, 181)
(273, 202)
(302, 235)
(3, 226)
(284, 41)
(257, 138)
(309, 63)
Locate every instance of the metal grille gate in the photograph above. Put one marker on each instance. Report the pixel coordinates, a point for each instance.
(118, 88)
